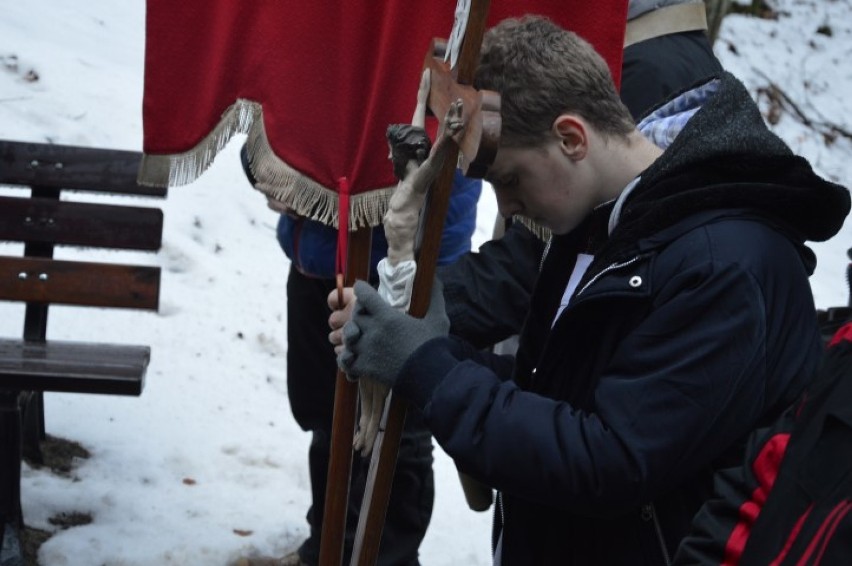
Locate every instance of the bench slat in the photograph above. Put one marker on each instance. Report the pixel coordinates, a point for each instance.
(73, 167)
(79, 283)
(73, 367)
(80, 224)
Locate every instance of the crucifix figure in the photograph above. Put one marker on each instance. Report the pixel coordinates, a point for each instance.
(416, 164)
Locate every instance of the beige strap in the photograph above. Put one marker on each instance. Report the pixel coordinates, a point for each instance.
(663, 21)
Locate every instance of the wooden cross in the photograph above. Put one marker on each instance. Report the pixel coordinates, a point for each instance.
(481, 111)
(477, 148)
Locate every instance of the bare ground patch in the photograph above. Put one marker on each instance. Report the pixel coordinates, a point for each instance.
(61, 456)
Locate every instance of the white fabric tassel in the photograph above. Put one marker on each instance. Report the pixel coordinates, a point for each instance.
(396, 282)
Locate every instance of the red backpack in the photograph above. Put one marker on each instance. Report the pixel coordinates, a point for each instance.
(791, 500)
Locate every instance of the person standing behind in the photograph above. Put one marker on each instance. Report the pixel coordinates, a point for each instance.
(666, 50)
(311, 373)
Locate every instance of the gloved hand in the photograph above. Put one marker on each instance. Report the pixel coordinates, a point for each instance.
(379, 339)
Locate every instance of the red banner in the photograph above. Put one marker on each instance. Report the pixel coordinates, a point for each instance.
(314, 84)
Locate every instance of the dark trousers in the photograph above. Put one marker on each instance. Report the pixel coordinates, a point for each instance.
(311, 374)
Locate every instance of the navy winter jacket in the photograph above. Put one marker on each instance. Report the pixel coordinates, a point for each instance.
(312, 245)
(693, 325)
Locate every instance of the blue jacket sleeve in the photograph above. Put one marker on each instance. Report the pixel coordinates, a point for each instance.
(312, 245)
(426, 367)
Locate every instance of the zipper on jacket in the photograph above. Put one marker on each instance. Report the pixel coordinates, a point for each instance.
(604, 271)
(649, 514)
(498, 516)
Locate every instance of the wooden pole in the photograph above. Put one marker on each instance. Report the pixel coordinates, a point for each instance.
(343, 425)
(385, 450)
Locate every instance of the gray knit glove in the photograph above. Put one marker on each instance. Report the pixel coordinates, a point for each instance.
(379, 339)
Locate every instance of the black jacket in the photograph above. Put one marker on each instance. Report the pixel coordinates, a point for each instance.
(488, 293)
(694, 324)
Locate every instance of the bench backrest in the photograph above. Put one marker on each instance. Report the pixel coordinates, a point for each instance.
(41, 221)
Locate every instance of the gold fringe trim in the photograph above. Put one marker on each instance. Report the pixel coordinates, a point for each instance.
(176, 169)
(306, 197)
(275, 178)
(543, 233)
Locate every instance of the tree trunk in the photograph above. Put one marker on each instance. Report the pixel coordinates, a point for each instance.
(716, 10)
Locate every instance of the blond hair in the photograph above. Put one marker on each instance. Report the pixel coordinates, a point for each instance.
(542, 71)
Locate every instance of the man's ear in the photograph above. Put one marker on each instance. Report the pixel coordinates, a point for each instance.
(572, 135)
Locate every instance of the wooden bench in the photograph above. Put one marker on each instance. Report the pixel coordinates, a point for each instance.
(32, 364)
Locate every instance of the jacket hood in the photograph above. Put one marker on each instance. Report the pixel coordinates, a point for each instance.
(725, 157)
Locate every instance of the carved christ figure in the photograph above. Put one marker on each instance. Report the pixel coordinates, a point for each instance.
(416, 164)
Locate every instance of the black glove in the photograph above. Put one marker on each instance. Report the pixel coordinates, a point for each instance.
(379, 339)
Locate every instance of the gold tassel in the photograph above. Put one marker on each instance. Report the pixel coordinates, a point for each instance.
(275, 178)
(540, 231)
